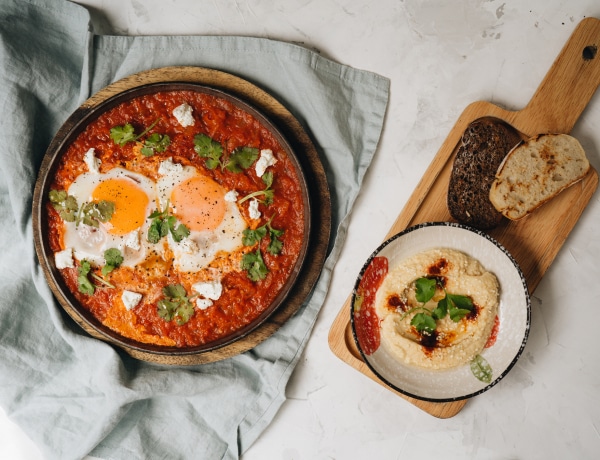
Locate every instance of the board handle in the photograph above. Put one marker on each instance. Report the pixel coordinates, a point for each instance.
(570, 83)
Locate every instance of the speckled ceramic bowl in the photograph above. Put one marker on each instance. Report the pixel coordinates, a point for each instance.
(514, 315)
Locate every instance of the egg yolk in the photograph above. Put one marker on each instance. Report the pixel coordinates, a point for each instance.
(130, 202)
(199, 202)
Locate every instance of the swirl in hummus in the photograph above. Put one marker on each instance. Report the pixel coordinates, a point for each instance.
(452, 343)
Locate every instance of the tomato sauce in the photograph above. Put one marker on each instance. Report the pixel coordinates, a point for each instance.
(366, 321)
(494, 334)
(242, 300)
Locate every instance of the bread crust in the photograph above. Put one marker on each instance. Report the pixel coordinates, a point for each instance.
(482, 149)
(536, 171)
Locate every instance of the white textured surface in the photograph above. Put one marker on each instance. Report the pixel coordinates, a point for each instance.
(440, 56)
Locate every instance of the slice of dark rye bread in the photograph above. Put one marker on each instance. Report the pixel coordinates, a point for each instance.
(483, 146)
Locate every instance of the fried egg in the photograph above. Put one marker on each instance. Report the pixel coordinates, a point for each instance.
(200, 203)
(134, 196)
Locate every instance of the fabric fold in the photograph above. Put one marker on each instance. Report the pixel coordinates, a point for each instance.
(74, 395)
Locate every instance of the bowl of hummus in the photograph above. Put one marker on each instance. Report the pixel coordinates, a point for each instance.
(440, 312)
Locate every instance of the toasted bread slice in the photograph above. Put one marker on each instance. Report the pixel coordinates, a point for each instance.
(483, 146)
(536, 171)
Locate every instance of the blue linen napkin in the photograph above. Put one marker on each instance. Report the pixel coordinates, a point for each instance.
(74, 395)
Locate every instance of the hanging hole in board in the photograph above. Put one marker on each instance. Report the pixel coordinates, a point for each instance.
(589, 52)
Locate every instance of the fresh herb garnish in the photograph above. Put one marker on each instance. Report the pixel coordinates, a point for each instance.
(255, 265)
(162, 223)
(84, 272)
(65, 204)
(481, 369)
(251, 237)
(240, 159)
(207, 148)
(113, 258)
(121, 135)
(176, 305)
(155, 142)
(267, 193)
(84, 284)
(424, 320)
(92, 213)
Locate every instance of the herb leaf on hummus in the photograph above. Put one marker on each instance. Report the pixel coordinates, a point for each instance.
(455, 305)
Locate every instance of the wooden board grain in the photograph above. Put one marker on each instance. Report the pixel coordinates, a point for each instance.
(535, 240)
(313, 171)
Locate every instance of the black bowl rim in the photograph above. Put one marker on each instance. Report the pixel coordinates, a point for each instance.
(481, 234)
(53, 155)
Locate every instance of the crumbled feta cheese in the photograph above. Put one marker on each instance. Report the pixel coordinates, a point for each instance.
(130, 299)
(132, 240)
(266, 159)
(64, 259)
(209, 289)
(253, 209)
(184, 116)
(168, 167)
(231, 196)
(92, 163)
(203, 304)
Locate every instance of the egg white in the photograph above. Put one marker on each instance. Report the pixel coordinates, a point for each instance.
(88, 242)
(199, 249)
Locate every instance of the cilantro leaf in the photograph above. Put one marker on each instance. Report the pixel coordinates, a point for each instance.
(176, 305)
(113, 258)
(456, 314)
(455, 305)
(92, 213)
(155, 143)
(275, 245)
(121, 135)
(481, 369)
(162, 224)
(441, 310)
(268, 193)
(178, 233)
(241, 158)
(207, 148)
(251, 237)
(460, 301)
(84, 284)
(425, 289)
(423, 323)
(66, 205)
(255, 265)
(459, 306)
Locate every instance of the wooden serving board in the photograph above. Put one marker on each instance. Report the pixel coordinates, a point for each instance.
(535, 240)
